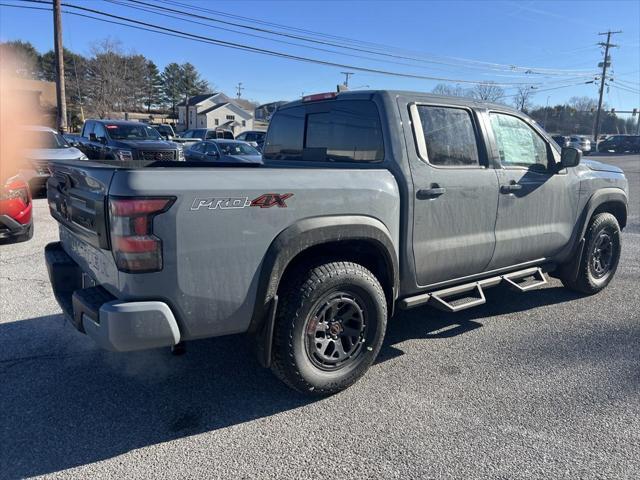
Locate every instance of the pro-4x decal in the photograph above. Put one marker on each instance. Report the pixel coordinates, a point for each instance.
(266, 200)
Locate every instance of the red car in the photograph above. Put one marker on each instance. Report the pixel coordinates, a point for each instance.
(16, 208)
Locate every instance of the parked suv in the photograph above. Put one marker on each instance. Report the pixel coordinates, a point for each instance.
(367, 201)
(620, 144)
(125, 141)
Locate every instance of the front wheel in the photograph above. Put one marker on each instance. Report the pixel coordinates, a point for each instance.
(329, 327)
(600, 256)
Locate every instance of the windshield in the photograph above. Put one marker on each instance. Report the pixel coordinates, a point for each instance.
(49, 140)
(237, 148)
(164, 129)
(132, 132)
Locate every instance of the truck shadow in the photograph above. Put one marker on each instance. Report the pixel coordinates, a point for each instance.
(429, 323)
(64, 403)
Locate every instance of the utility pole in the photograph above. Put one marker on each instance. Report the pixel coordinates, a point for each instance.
(346, 78)
(605, 64)
(239, 89)
(61, 121)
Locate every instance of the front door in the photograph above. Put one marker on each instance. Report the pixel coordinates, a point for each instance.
(455, 194)
(538, 206)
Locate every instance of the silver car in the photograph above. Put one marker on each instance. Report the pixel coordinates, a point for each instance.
(581, 143)
(47, 145)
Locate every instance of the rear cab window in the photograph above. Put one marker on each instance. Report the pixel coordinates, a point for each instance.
(333, 131)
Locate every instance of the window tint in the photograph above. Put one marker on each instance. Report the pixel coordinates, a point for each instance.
(338, 131)
(518, 144)
(285, 136)
(212, 134)
(198, 147)
(211, 148)
(449, 136)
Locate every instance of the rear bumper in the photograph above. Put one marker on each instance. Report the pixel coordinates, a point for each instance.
(9, 228)
(112, 323)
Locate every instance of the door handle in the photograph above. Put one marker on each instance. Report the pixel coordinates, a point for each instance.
(510, 188)
(426, 193)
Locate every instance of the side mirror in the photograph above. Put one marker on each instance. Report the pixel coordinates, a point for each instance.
(212, 154)
(570, 157)
(92, 137)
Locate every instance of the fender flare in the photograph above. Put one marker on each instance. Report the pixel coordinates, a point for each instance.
(602, 196)
(295, 239)
(599, 198)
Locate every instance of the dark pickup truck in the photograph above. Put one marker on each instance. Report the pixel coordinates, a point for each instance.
(125, 140)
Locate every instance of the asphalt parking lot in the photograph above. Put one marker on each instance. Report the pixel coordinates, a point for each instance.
(538, 385)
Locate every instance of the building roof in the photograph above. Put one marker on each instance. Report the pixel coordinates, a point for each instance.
(196, 99)
(244, 104)
(210, 109)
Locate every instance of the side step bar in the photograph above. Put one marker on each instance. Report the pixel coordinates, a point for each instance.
(525, 280)
(461, 297)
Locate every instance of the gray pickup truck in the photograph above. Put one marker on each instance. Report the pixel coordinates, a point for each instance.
(366, 201)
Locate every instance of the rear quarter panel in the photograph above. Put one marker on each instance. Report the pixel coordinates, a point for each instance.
(212, 256)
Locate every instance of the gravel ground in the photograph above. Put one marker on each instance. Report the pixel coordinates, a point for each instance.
(536, 385)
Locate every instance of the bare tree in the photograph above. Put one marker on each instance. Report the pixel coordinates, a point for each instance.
(450, 91)
(523, 99)
(487, 92)
(583, 104)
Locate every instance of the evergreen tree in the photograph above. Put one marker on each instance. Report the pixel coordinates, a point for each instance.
(172, 86)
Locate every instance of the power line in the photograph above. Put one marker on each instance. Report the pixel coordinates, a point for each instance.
(353, 41)
(623, 88)
(263, 37)
(274, 53)
(527, 70)
(159, 30)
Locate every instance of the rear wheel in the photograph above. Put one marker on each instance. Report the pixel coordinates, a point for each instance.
(600, 256)
(329, 328)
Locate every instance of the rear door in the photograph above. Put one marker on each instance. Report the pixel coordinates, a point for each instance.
(455, 194)
(538, 206)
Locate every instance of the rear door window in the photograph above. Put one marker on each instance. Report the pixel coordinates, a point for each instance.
(449, 135)
(339, 131)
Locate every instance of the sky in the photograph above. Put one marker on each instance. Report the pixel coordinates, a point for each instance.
(479, 40)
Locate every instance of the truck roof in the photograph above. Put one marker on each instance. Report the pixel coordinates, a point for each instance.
(116, 122)
(422, 96)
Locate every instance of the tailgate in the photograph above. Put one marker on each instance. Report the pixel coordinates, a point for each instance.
(77, 196)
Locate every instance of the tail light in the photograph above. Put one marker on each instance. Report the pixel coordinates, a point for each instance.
(135, 248)
(15, 200)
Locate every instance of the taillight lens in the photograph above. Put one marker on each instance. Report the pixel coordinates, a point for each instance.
(15, 189)
(135, 248)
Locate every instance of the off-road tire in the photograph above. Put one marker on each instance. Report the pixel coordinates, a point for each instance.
(300, 300)
(588, 281)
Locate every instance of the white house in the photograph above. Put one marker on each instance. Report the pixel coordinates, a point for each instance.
(214, 110)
